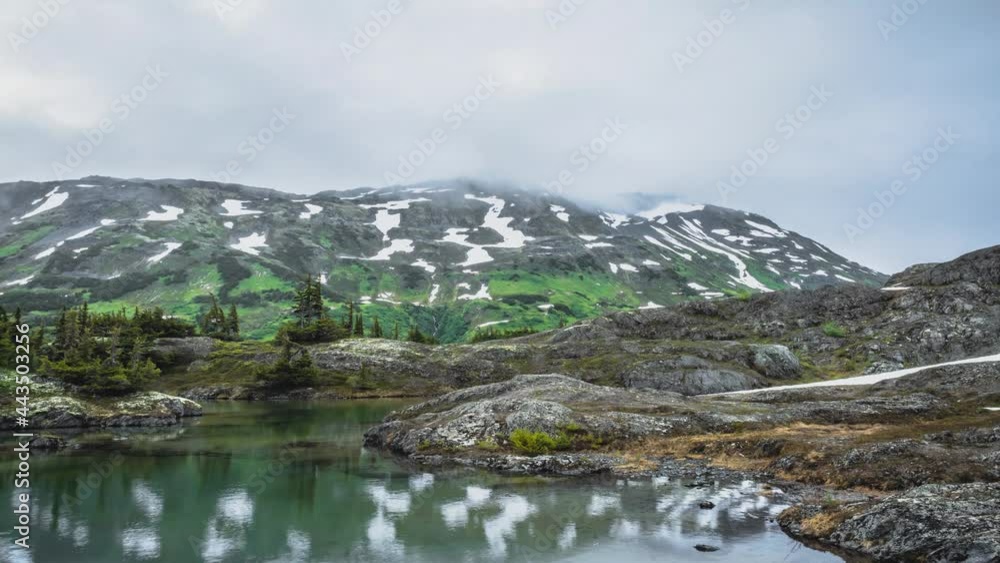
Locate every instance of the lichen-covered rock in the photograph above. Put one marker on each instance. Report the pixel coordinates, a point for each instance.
(140, 409)
(775, 362)
(540, 403)
(933, 523)
(688, 375)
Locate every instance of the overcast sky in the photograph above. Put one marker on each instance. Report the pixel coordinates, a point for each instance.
(696, 88)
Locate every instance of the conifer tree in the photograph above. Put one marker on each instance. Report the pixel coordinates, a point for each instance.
(233, 323)
(359, 325)
(376, 330)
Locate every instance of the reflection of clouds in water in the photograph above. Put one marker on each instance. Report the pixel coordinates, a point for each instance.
(421, 482)
(236, 507)
(390, 501)
(298, 548)
(381, 530)
(147, 499)
(568, 536)
(141, 543)
(477, 496)
(625, 529)
(14, 554)
(603, 502)
(227, 530)
(382, 536)
(515, 509)
(456, 514)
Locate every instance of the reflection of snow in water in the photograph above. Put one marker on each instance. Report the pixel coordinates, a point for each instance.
(147, 499)
(391, 502)
(142, 543)
(516, 509)
(421, 482)
(226, 532)
(602, 502)
(568, 536)
(456, 514)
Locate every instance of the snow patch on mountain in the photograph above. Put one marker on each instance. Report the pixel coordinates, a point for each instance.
(766, 230)
(251, 244)
(560, 212)
(615, 220)
(170, 247)
(668, 208)
(45, 253)
(50, 201)
(483, 293)
(512, 238)
(311, 210)
(234, 208)
(169, 213)
(396, 246)
(425, 265)
(22, 281)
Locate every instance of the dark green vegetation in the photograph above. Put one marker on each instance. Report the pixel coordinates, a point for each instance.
(113, 243)
(106, 353)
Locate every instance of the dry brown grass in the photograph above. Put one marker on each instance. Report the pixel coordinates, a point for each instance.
(815, 447)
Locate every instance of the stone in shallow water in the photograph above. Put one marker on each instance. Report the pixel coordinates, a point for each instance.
(706, 548)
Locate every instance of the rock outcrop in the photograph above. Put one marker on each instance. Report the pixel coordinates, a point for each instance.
(933, 523)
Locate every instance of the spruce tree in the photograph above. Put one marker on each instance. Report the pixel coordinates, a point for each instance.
(359, 325)
(349, 321)
(376, 331)
(233, 323)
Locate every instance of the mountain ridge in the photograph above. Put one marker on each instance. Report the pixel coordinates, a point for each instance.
(450, 256)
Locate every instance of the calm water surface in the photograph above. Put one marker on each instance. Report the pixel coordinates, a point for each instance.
(290, 482)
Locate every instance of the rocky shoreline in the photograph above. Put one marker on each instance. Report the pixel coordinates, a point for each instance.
(55, 406)
(852, 454)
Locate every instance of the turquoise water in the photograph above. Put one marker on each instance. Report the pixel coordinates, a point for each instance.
(289, 482)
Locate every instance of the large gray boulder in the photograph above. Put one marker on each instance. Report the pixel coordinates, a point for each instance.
(775, 362)
(688, 375)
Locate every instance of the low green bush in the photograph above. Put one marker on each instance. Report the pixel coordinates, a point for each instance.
(532, 443)
(834, 330)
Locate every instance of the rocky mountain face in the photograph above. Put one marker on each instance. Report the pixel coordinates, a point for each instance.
(451, 257)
